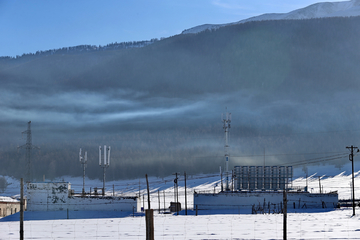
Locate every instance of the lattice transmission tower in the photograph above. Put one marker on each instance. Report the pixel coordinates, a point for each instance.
(28, 146)
(226, 120)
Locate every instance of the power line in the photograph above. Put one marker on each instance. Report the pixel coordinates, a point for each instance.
(317, 161)
(283, 154)
(271, 155)
(320, 159)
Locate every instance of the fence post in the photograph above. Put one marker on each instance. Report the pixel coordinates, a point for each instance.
(185, 195)
(284, 215)
(159, 199)
(164, 200)
(21, 209)
(149, 216)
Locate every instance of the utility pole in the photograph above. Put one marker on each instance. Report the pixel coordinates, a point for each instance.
(307, 176)
(164, 200)
(351, 158)
(176, 193)
(28, 146)
(159, 199)
(221, 179)
(185, 194)
(21, 209)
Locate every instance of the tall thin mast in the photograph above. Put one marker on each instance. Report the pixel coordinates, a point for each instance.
(226, 120)
(83, 161)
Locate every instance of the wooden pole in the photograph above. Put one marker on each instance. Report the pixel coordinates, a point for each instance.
(221, 178)
(177, 197)
(149, 216)
(164, 200)
(148, 192)
(351, 158)
(21, 209)
(159, 199)
(185, 195)
(284, 215)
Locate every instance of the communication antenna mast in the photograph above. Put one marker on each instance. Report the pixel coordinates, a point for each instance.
(226, 120)
(104, 164)
(83, 161)
(28, 146)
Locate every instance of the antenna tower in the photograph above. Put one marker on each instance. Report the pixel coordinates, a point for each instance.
(83, 161)
(105, 163)
(28, 146)
(226, 120)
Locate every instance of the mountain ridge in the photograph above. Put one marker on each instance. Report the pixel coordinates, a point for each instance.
(316, 10)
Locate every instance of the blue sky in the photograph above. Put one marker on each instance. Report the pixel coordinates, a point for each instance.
(28, 26)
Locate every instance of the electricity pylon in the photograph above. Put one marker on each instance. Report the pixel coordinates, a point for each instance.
(28, 146)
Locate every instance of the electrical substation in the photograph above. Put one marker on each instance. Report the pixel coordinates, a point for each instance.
(254, 188)
(259, 188)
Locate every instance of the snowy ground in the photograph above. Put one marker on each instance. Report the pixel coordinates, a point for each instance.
(335, 224)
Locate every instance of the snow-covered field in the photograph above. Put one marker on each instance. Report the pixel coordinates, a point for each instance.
(334, 224)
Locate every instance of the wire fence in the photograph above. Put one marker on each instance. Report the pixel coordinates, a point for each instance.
(335, 224)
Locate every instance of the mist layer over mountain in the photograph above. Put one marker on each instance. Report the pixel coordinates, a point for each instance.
(291, 86)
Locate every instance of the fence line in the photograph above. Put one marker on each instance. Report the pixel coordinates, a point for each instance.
(337, 224)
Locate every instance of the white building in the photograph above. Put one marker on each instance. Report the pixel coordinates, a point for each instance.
(57, 196)
(260, 189)
(264, 200)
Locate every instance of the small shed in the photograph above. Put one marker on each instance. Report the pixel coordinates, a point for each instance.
(9, 206)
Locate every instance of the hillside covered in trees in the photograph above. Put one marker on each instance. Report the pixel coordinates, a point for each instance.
(291, 86)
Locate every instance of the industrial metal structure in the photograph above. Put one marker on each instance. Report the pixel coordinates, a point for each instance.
(83, 161)
(260, 188)
(262, 178)
(28, 146)
(105, 163)
(226, 120)
(264, 201)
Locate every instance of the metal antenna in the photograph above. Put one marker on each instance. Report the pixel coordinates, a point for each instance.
(105, 163)
(28, 146)
(226, 120)
(83, 161)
